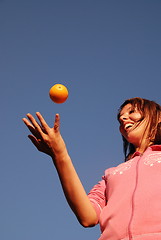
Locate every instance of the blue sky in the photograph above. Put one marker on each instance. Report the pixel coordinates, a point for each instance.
(104, 52)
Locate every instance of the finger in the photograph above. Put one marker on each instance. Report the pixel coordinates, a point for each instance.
(35, 124)
(31, 128)
(44, 125)
(26, 121)
(29, 125)
(35, 141)
(57, 123)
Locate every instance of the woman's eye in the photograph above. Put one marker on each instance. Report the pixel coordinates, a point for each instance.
(131, 111)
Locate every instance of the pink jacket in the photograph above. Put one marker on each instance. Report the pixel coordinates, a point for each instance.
(128, 199)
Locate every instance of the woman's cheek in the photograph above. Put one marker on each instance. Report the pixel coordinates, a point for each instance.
(122, 130)
(136, 116)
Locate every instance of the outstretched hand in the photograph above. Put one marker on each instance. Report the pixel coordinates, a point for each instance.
(46, 139)
(49, 141)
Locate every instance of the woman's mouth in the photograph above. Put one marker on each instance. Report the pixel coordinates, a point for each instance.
(128, 125)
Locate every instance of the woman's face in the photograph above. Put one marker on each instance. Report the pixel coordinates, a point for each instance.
(132, 127)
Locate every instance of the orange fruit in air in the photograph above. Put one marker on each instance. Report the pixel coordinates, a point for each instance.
(58, 93)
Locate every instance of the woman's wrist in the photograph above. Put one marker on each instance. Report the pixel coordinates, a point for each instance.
(60, 157)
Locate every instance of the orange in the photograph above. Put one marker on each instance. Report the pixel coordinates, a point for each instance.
(58, 93)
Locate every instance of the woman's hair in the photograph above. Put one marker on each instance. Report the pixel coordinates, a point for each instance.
(152, 112)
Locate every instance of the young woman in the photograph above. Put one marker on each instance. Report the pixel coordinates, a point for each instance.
(127, 201)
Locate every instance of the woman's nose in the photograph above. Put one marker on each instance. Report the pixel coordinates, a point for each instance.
(123, 117)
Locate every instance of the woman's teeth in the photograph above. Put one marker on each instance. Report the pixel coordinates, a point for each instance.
(128, 125)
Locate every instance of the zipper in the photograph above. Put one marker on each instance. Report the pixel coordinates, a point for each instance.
(133, 196)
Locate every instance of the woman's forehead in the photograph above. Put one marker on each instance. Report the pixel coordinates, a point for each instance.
(126, 108)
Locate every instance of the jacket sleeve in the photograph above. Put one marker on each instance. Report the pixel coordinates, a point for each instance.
(97, 196)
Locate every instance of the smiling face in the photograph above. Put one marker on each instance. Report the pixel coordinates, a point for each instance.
(132, 126)
(140, 125)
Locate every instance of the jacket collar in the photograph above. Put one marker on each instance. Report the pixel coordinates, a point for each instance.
(151, 148)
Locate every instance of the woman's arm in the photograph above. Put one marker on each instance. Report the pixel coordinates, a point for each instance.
(50, 141)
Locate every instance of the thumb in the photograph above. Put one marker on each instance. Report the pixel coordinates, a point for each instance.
(57, 122)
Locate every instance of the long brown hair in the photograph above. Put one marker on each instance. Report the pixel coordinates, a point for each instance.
(149, 110)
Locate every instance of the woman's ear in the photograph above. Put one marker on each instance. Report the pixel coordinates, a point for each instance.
(159, 119)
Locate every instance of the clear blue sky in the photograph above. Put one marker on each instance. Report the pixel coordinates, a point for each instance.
(104, 52)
